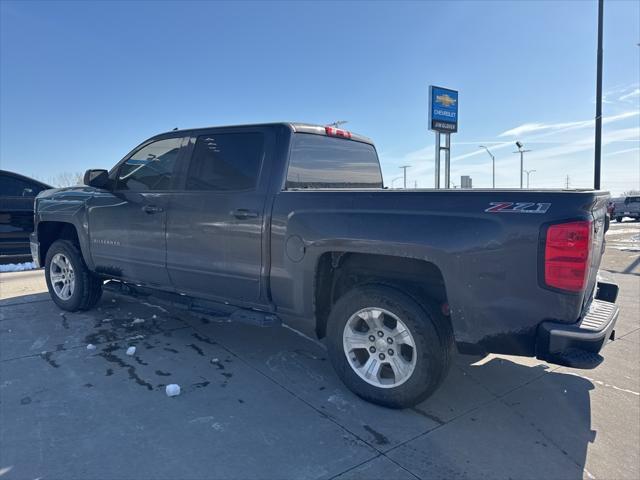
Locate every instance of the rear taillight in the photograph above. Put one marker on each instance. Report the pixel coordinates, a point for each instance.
(336, 132)
(566, 255)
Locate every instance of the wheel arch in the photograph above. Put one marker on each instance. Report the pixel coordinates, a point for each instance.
(338, 272)
(50, 231)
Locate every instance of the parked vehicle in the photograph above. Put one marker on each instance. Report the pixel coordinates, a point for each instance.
(17, 194)
(626, 207)
(291, 222)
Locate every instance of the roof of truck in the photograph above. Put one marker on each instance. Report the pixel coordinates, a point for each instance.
(293, 126)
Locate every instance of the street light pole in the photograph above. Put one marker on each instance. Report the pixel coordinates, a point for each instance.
(528, 172)
(521, 151)
(493, 160)
(404, 167)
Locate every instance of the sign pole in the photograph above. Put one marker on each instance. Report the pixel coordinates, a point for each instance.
(447, 160)
(437, 170)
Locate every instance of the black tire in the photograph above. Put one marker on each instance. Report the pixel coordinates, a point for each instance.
(431, 333)
(88, 287)
(618, 219)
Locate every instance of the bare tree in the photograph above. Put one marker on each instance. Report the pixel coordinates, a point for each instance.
(66, 179)
(631, 193)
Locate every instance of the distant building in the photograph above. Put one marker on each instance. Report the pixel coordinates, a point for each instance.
(466, 182)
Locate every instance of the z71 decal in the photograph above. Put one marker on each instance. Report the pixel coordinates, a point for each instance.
(518, 207)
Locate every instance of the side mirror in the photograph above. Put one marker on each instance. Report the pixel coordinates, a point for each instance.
(96, 178)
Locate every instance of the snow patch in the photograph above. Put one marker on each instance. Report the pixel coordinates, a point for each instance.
(131, 351)
(621, 231)
(17, 267)
(91, 346)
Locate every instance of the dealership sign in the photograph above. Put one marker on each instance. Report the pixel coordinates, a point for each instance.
(443, 109)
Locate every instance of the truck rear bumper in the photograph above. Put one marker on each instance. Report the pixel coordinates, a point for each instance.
(578, 345)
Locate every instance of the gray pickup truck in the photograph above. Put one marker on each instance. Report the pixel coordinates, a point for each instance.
(291, 223)
(625, 207)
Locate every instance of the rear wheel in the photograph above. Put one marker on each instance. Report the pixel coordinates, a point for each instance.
(387, 348)
(71, 285)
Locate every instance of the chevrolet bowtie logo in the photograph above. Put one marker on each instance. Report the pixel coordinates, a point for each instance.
(445, 100)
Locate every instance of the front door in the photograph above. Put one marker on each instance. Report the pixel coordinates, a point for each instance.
(127, 226)
(215, 223)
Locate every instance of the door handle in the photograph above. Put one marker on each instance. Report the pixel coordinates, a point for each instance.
(243, 213)
(151, 209)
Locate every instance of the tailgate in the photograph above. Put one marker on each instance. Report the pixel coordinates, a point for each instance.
(600, 226)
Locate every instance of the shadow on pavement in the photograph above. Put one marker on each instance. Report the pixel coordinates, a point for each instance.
(556, 405)
(22, 299)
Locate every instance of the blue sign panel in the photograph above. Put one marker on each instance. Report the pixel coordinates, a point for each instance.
(443, 109)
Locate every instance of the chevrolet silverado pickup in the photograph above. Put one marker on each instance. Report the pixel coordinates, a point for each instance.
(291, 223)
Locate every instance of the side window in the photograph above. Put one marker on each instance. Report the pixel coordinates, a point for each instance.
(151, 167)
(16, 187)
(226, 161)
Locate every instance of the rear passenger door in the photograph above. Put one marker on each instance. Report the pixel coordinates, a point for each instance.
(215, 223)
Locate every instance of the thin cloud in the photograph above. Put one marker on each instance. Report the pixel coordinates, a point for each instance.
(536, 127)
(619, 93)
(632, 94)
(619, 152)
(563, 127)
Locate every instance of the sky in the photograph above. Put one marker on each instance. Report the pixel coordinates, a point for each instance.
(82, 83)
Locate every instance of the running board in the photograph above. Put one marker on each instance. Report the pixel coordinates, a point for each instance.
(208, 308)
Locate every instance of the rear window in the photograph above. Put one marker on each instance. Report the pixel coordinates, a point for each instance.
(317, 161)
(633, 199)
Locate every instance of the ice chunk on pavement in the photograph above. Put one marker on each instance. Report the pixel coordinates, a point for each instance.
(172, 390)
(131, 351)
(137, 320)
(154, 316)
(91, 346)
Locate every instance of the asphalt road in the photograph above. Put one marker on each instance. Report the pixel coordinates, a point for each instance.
(264, 403)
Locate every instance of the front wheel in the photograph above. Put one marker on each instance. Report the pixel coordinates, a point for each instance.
(387, 348)
(71, 285)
